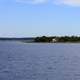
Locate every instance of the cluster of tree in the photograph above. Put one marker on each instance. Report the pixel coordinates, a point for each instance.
(69, 39)
(43, 39)
(58, 39)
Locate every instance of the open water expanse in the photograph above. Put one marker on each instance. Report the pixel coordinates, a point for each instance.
(39, 61)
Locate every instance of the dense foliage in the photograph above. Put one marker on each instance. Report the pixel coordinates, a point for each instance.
(58, 39)
(43, 39)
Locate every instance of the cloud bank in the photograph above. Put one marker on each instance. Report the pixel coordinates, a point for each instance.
(32, 1)
(65, 2)
(68, 2)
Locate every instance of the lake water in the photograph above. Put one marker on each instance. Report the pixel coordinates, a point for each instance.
(33, 61)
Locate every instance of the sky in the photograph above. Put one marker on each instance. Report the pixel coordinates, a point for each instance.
(29, 18)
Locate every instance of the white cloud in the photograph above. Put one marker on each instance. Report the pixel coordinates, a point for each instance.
(65, 2)
(68, 2)
(32, 1)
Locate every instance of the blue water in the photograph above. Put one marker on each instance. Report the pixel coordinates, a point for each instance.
(33, 61)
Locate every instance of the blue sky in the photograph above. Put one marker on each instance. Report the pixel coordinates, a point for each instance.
(26, 18)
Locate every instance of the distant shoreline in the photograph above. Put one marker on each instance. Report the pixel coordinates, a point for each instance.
(41, 42)
(45, 39)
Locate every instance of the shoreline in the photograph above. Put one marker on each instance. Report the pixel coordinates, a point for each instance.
(39, 42)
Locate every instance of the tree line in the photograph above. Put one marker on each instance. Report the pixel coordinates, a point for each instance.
(58, 39)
